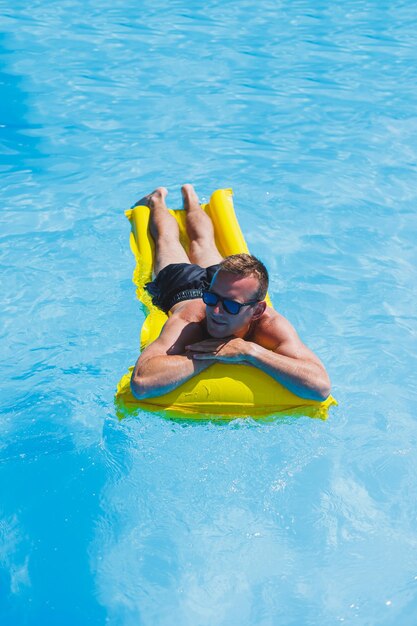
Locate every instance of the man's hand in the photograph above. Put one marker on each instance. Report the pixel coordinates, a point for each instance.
(291, 364)
(228, 350)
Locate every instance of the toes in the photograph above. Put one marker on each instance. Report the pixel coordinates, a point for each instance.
(188, 190)
(142, 202)
(159, 194)
(162, 192)
(189, 195)
(157, 197)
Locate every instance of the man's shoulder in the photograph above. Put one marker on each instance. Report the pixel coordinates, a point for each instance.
(272, 317)
(189, 311)
(183, 327)
(272, 329)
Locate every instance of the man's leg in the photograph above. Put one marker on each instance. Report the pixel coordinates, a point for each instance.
(164, 231)
(203, 250)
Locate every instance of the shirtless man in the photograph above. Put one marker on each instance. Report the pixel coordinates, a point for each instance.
(233, 324)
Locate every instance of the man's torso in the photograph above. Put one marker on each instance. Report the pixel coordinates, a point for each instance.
(268, 331)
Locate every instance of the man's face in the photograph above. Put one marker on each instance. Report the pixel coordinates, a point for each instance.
(222, 324)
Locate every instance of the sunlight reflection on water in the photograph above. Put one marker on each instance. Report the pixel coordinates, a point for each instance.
(308, 112)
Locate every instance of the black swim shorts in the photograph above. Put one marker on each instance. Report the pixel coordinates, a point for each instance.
(178, 282)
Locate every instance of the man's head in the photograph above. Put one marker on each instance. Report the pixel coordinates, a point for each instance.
(243, 279)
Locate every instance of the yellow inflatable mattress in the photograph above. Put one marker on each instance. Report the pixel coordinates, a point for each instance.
(224, 390)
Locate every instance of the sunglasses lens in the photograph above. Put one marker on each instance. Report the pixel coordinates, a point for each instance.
(209, 298)
(231, 307)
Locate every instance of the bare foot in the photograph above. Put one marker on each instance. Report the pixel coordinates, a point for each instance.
(156, 198)
(190, 198)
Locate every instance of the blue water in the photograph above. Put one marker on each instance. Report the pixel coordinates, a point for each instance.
(308, 110)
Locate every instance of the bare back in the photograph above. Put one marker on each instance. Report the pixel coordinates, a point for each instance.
(184, 326)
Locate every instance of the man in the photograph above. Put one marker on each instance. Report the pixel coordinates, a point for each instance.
(217, 312)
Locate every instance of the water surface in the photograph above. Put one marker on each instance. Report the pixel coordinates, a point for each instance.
(308, 111)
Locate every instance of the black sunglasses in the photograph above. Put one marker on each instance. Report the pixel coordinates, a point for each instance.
(230, 306)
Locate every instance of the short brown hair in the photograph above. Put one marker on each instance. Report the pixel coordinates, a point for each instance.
(247, 265)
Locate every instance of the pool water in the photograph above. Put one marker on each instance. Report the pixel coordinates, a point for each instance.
(306, 109)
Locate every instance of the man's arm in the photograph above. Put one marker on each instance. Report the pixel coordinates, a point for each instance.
(163, 365)
(280, 353)
(302, 374)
